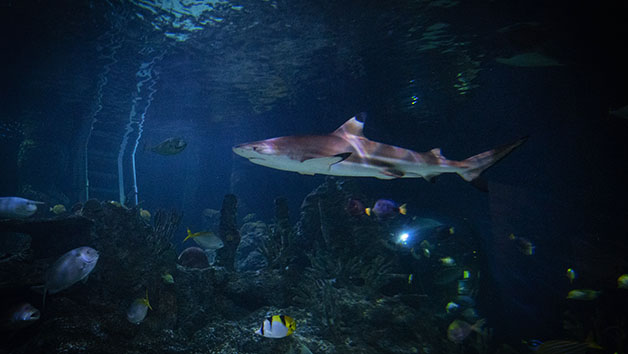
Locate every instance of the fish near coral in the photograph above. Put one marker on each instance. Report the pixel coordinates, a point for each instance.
(167, 278)
(207, 240)
(524, 245)
(447, 261)
(451, 307)
(16, 207)
(20, 316)
(571, 275)
(583, 294)
(58, 209)
(136, 313)
(277, 327)
(459, 330)
(385, 207)
(69, 269)
(145, 215)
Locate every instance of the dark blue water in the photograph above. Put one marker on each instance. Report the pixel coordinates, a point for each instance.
(425, 74)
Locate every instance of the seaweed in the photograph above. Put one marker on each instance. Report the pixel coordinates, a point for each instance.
(166, 224)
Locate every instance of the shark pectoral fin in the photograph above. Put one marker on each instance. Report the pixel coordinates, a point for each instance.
(430, 178)
(393, 172)
(343, 156)
(327, 161)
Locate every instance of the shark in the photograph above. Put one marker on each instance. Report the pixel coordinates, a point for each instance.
(347, 152)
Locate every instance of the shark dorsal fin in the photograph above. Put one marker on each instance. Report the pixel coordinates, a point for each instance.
(351, 127)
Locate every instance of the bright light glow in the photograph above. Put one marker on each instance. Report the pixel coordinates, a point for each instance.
(403, 238)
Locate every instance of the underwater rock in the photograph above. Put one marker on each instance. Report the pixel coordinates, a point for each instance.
(76, 207)
(248, 257)
(193, 257)
(228, 232)
(251, 290)
(51, 236)
(91, 207)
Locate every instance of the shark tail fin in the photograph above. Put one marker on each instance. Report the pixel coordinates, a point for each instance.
(475, 165)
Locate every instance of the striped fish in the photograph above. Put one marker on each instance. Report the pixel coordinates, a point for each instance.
(277, 327)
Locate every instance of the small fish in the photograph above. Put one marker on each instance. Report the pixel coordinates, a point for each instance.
(524, 245)
(167, 278)
(138, 310)
(622, 281)
(354, 207)
(207, 240)
(444, 231)
(116, 204)
(69, 269)
(277, 327)
(20, 316)
(451, 307)
(448, 261)
(145, 215)
(385, 207)
(410, 278)
(583, 294)
(458, 330)
(571, 275)
(16, 207)
(170, 146)
(426, 246)
(58, 209)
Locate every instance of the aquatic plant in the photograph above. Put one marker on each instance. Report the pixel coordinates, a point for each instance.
(276, 249)
(166, 224)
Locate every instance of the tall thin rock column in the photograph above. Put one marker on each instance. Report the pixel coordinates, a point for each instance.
(228, 232)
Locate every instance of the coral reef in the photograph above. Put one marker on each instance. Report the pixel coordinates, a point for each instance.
(228, 232)
(248, 254)
(193, 257)
(330, 272)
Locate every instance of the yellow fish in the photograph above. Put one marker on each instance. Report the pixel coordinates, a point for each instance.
(583, 294)
(571, 275)
(58, 209)
(138, 309)
(448, 261)
(622, 281)
(167, 278)
(145, 214)
(207, 240)
(277, 327)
